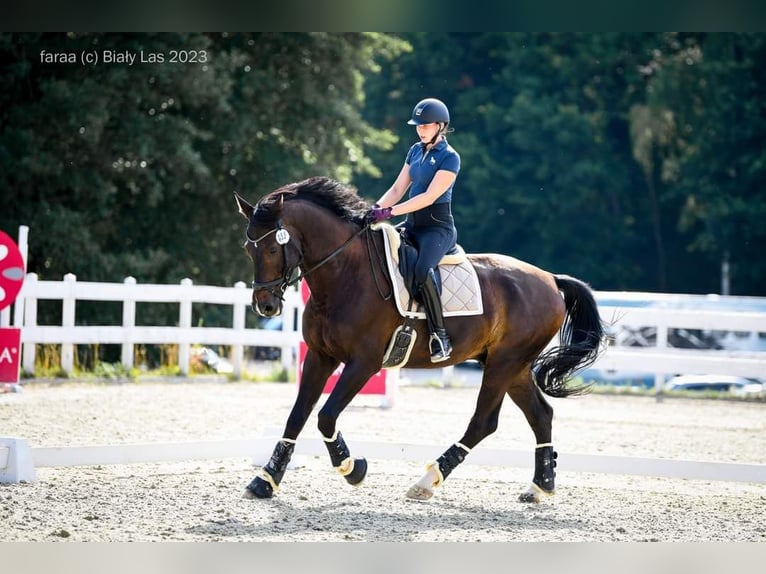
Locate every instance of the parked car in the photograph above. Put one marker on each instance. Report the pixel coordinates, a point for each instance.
(717, 383)
(623, 378)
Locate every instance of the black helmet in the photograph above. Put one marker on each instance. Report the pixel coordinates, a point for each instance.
(429, 111)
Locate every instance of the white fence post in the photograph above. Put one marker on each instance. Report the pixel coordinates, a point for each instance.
(67, 322)
(289, 317)
(30, 321)
(18, 306)
(662, 345)
(238, 324)
(184, 322)
(128, 324)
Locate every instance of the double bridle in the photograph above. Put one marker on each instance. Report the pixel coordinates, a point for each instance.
(291, 275)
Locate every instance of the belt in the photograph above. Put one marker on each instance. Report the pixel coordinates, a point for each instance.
(441, 211)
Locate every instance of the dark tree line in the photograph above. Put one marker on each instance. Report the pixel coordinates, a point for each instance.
(634, 161)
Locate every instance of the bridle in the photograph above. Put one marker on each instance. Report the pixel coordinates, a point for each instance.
(292, 274)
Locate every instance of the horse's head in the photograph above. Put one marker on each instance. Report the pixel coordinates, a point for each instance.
(273, 251)
(277, 239)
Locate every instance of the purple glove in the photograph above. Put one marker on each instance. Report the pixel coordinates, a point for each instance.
(377, 214)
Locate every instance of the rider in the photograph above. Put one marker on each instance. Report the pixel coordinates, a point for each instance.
(429, 172)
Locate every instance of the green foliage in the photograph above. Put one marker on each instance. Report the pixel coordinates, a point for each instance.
(279, 374)
(715, 161)
(634, 161)
(113, 371)
(129, 169)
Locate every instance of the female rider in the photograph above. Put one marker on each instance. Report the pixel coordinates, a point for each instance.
(429, 172)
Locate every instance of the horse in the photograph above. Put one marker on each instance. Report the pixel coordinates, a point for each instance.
(315, 230)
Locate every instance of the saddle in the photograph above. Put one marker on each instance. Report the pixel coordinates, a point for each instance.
(457, 282)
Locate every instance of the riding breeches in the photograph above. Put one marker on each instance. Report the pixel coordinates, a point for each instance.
(432, 231)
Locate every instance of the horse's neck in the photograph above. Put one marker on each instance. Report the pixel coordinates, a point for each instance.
(322, 233)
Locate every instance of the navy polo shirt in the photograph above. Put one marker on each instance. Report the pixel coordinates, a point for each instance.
(423, 167)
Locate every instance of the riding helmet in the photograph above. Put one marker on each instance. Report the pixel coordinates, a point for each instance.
(429, 111)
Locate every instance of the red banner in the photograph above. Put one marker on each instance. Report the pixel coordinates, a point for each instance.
(10, 352)
(11, 270)
(375, 386)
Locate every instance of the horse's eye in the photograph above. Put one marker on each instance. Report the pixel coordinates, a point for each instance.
(273, 251)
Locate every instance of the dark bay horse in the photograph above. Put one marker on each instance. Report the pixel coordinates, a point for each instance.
(315, 229)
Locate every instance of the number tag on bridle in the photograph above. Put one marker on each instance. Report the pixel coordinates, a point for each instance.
(282, 236)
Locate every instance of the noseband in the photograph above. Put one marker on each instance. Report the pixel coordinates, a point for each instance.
(291, 275)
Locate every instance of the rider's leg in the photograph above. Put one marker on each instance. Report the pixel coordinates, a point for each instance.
(440, 344)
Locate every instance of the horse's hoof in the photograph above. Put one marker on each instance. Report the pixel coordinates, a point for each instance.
(356, 476)
(258, 488)
(419, 493)
(535, 494)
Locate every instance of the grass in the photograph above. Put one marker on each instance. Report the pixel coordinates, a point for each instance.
(88, 366)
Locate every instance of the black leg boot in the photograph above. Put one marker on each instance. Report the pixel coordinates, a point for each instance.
(441, 346)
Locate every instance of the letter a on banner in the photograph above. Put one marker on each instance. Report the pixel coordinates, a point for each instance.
(10, 352)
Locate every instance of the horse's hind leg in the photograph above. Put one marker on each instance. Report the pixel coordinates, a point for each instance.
(316, 369)
(482, 424)
(539, 414)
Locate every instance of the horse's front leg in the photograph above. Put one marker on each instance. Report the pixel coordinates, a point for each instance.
(355, 375)
(316, 369)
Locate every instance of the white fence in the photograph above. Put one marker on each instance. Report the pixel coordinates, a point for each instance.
(618, 309)
(666, 312)
(18, 461)
(70, 291)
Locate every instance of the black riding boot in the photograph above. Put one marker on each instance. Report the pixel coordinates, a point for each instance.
(441, 346)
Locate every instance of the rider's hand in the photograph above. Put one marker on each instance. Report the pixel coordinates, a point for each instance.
(377, 214)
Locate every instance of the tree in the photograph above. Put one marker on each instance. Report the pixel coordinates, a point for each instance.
(631, 160)
(549, 172)
(713, 88)
(129, 169)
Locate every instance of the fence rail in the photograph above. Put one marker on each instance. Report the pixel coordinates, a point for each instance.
(620, 310)
(68, 334)
(662, 359)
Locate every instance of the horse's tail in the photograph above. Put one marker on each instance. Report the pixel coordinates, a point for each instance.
(582, 338)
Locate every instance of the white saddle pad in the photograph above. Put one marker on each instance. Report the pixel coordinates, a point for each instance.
(461, 292)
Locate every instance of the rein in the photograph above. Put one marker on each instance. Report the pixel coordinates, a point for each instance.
(382, 262)
(289, 276)
(330, 256)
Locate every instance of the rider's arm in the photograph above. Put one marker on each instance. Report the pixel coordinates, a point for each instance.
(398, 189)
(439, 184)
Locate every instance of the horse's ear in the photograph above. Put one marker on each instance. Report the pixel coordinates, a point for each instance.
(244, 207)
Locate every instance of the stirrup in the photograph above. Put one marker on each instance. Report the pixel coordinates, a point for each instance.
(443, 352)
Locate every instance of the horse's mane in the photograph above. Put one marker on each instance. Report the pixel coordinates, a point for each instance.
(340, 199)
